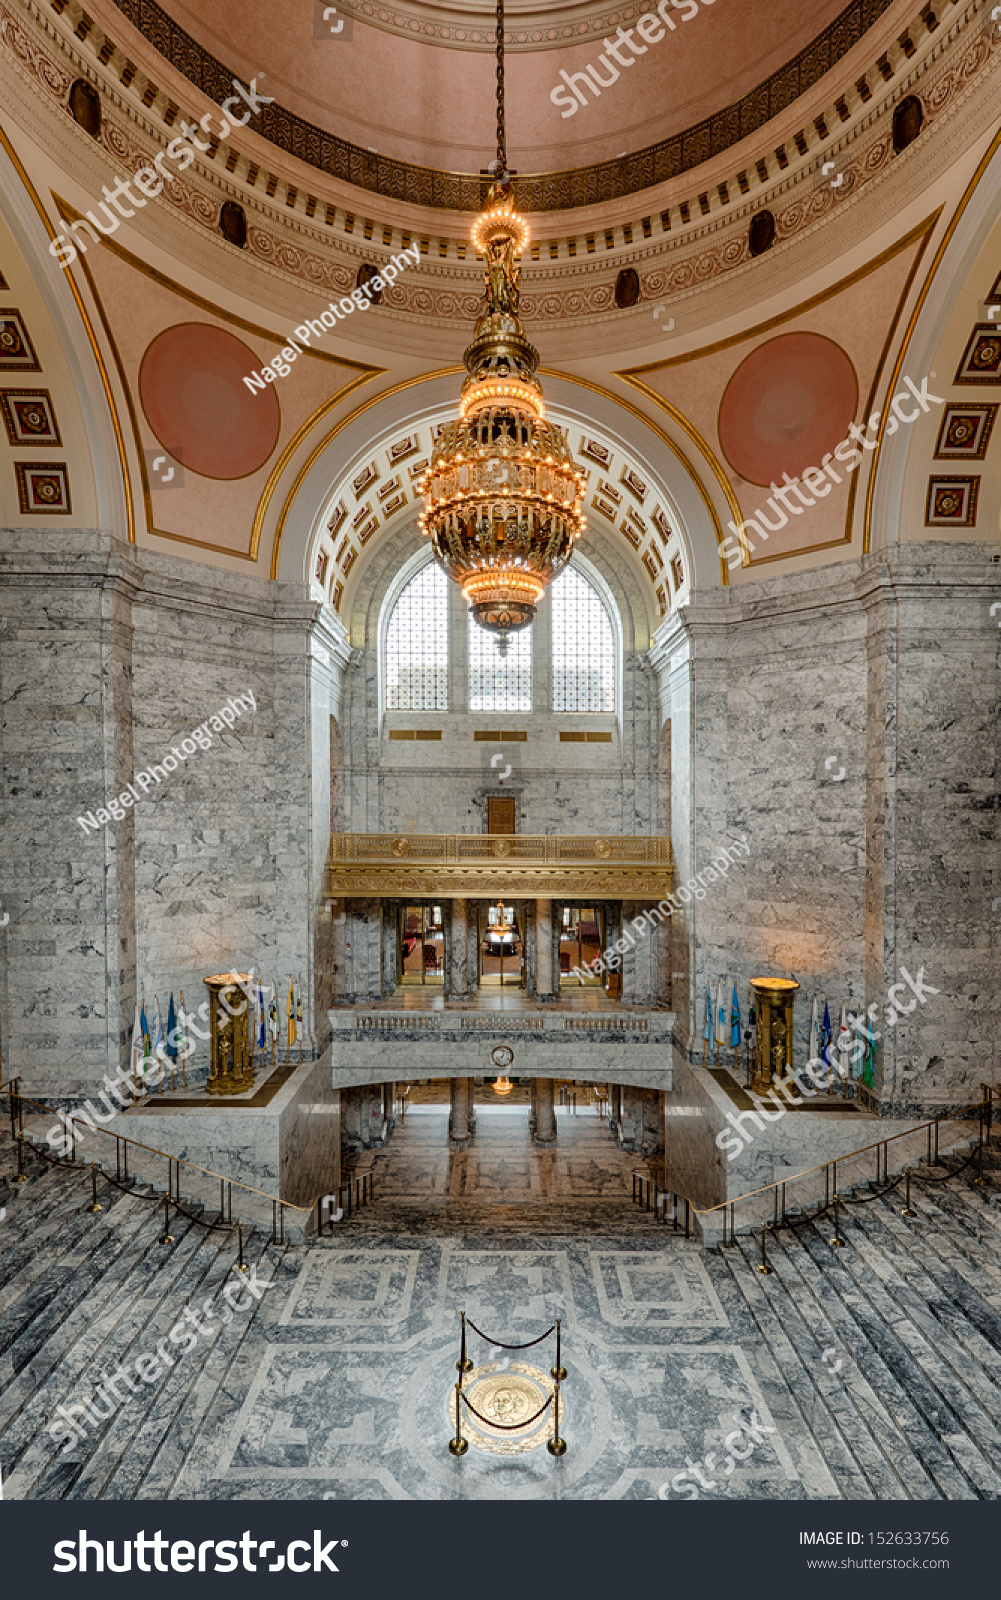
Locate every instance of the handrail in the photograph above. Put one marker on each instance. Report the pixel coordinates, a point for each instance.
(14, 1093)
(907, 1133)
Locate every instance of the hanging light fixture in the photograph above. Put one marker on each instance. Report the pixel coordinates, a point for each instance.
(502, 496)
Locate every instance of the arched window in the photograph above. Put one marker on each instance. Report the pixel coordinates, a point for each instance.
(583, 646)
(417, 644)
(499, 682)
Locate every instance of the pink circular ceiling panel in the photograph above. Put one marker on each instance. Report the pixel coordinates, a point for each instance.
(195, 400)
(786, 406)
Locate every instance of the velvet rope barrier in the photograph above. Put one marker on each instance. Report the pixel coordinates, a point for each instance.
(508, 1427)
(498, 1345)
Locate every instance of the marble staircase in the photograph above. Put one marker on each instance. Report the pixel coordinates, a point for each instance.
(82, 1292)
(889, 1348)
(879, 1363)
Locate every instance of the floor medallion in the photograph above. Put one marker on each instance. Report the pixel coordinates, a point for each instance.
(508, 1400)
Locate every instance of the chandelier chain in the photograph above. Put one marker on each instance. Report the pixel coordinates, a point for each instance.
(501, 133)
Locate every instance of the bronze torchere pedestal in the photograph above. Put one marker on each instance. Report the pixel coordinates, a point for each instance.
(773, 1050)
(229, 1028)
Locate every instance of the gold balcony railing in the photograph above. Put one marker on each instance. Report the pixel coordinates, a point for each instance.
(605, 866)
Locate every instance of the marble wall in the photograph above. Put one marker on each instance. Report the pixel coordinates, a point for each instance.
(289, 1149)
(108, 660)
(845, 724)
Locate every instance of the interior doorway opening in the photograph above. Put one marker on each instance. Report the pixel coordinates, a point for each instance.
(501, 947)
(421, 945)
(582, 939)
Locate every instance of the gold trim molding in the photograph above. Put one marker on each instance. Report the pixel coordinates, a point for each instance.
(522, 865)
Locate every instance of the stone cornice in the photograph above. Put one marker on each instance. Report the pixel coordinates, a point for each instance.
(539, 192)
(948, 71)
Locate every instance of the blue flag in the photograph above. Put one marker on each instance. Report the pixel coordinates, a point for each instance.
(171, 1027)
(260, 1015)
(825, 1037)
(734, 1020)
(144, 1027)
(707, 1032)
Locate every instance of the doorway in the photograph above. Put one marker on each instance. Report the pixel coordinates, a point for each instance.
(500, 814)
(501, 948)
(582, 939)
(420, 945)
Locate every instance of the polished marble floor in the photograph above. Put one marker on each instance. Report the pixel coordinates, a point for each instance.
(501, 1167)
(870, 1371)
(428, 999)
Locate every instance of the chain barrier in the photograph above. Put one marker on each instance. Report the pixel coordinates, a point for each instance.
(498, 1345)
(508, 1427)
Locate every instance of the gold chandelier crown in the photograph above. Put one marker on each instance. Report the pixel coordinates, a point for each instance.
(503, 497)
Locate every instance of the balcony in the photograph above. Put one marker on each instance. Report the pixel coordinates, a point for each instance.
(519, 865)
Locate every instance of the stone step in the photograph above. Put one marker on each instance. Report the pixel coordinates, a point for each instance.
(798, 1333)
(877, 1401)
(215, 1382)
(963, 1402)
(49, 1271)
(789, 1388)
(940, 1277)
(28, 1364)
(888, 1351)
(145, 1274)
(134, 1436)
(151, 1303)
(221, 1409)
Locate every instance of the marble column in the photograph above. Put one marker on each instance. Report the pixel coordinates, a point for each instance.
(631, 1117)
(352, 1116)
(389, 955)
(544, 951)
(462, 1119)
(615, 1107)
(458, 974)
(389, 1090)
(545, 1113)
(651, 1111)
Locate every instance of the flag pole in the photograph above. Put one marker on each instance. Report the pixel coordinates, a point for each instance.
(184, 1046)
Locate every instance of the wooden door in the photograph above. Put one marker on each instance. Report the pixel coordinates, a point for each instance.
(500, 815)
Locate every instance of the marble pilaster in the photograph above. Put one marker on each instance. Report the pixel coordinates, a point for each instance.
(544, 1131)
(544, 951)
(462, 1119)
(458, 974)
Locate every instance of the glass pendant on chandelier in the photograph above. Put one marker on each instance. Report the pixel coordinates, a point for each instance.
(503, 501)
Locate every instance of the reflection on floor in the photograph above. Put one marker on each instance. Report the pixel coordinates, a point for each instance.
(502, 1167)
(495, 999)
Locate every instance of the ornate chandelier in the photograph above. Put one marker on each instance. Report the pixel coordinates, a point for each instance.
(502, 496)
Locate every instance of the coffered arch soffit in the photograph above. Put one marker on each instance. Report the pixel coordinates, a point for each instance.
(644, 491)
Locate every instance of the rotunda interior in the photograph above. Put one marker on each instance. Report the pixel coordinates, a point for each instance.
(499, 666)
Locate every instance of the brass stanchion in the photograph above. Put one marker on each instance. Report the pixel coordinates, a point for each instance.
(558, 1371)
(241, 1265)
(95, 1204)
(458, 1446)
(556, 1446)
(463, 1364)
(837, 1242)
(20, 1157)
(764, 1267)
(905, 1210)
(980, 1180)
(168, 1237)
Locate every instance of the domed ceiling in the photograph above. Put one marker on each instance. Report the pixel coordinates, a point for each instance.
(415, 82)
